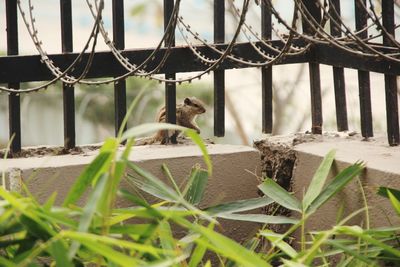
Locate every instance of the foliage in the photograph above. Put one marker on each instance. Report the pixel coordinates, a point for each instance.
(96, 231)
(34, 234)
(342, 245)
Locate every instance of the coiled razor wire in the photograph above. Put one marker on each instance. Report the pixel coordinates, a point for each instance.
(347, 40)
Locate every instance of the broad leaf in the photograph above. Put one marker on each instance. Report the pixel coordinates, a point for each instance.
(197, 183)
(318, 180)
(225, 246)
(279, 195)
(239, 205)
(260, 218)
(395, 202)
(383, 191)
(277, 240)
(89, 211)
(92, 172)
(341, 180)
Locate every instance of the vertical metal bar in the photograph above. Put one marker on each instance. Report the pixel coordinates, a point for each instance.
(363, 77)
(14, 110)
(68, 91)
(119, 42)
(392, 109)
(338, 77)
(315, 81)
(170, 88)
(266, 73)
(219, 75)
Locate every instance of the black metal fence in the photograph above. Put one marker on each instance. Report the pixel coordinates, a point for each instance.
(323, 38)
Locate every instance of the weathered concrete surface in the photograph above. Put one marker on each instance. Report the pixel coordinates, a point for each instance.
(382, 169)
(292, 160)
(230, 181)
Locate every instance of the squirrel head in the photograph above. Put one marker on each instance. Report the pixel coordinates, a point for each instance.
(195, 104)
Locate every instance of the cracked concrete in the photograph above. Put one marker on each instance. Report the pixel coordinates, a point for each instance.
(292, 161)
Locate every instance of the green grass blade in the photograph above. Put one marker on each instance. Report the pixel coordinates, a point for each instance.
(289, 263)
(148, 183)
(109, 253)
(226, 246)
(382, 191)
(349, 251)
(239, 205)
(271, 189)
(260, 218)
(199, 142)
(395, 202)
(168, 174)
(197, 183)
(6, 263)
(359, 232)
(277, 240)
(141, 202)
(85, 238)
(89, 211)
(197, 255)
(341, 180)
(318, 180)
(167, 241)
(92, 172)
(59, 253)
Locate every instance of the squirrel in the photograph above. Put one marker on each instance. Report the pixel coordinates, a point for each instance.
(186, 114)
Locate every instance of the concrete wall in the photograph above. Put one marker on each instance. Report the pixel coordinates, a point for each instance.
(382, 169)
(231, 179)
(292, 161)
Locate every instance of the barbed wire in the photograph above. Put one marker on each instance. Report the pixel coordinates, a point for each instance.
(270, 52)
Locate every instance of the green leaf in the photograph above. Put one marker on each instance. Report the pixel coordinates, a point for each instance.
(96, 168)
(168, 173)
(50, 201)
(59, 253)
(225, 246)
(239, 205)
(359, 232)
(85, 238)
(109, 253)
(289, 263)
(151, 184)
(197, 184)
(6, 263)
(141, 202)
(165, 235)
(199, 142)
(318, 180)
(349, 250)
(383, 191)
(395, 202)
(280, 195)
(156, 187)
(260, 218)
(277, 240)
(341, 180)
(89, 211)
(197, 255)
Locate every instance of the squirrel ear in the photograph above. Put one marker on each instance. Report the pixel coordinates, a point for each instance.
(187, 101)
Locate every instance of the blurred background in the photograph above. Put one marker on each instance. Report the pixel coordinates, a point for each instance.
(42, 112)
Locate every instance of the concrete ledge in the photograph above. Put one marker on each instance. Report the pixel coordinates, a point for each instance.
(231, 179)
(382, 169)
